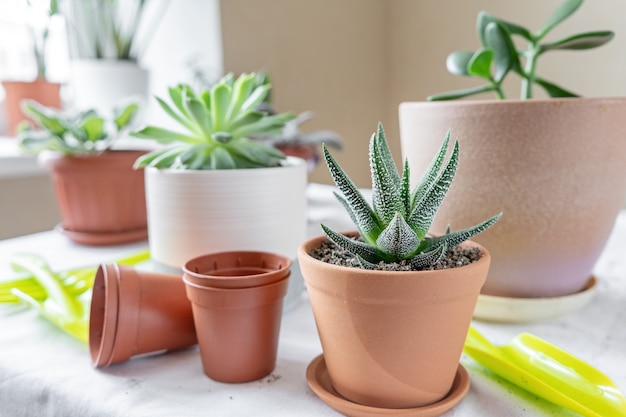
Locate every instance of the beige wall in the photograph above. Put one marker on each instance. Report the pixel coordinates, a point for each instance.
(353, 61)
(27, 205)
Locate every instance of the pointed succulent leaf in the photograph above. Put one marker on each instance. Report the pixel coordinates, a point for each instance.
(242, 87)
(578, 42)
(162, 135)
(565, 10)
(366, 264)
(398, 239)
(202, 119)
(405, 188)
(173, 114)
(385, 153)
(221, 159)
(177, 95)
(256, 98)
(256, 151)
(162, 158)
(366, 220)
(429, 258)
(266, 125)
(196, 156)
(366, 251)
(554, 90)
(385, 184)
(430, 175)
(454, 238)
(426, 208)
(457, 62)
(220, 100)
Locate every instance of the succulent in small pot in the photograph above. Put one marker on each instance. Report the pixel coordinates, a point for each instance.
(101, 197)
(391, 303)
(200, 186)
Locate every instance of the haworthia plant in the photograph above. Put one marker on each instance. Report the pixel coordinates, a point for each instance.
(499, 55)
(394, 228)
(219, 122)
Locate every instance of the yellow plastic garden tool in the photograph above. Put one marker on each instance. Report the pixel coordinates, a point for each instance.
(550, 373)
(62, 298)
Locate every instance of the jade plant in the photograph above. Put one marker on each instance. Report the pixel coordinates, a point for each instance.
(219, 123)
(499, 55)
(395, 227)
(74, 133)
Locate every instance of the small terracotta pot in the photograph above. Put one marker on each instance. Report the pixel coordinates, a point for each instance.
(237, 269)
(237, 328)
(40, 90)
(101, 197)
(392, 339)
(135, 312)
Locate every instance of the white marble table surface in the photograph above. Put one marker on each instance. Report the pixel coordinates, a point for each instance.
(44, 372)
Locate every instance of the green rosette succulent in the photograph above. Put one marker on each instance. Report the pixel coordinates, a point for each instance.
(219, 122)
(395, 227)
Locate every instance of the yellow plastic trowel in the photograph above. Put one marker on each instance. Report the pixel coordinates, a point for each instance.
(550, 373)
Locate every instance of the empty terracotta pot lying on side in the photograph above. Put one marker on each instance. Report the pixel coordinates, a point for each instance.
(237, 324)
(135, 312)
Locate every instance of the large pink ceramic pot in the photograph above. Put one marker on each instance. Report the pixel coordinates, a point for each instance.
(556, 168)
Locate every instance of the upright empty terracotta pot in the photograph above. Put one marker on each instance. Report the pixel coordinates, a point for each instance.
(392, 339)
(135, 312)
(237, 325)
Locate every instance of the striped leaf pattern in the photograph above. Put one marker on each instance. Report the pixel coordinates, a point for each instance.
(395, 227)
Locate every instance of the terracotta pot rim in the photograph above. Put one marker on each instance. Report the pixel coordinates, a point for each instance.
(314, 242)
(245, 259)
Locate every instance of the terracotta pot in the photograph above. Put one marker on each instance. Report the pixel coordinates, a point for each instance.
(237, 269)
(101, 197)
(40, 90)
(135, 312)
(192, 213)
(556, 169)
(392, 339)
(237, 328)
(306, 151)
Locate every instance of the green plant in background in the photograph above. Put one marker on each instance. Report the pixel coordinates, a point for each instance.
(499, 55)
(110, 29)
(40, 31)
(80, 133)
(219, 122)
(395, 227)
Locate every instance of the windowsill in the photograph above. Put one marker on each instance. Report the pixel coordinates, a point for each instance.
(14, 164)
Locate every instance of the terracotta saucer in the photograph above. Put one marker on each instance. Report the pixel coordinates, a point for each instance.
(319, 381)
(525, 310)
(103, 239)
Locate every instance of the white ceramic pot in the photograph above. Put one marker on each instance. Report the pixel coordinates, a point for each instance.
(191, 213)
(102, 84)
